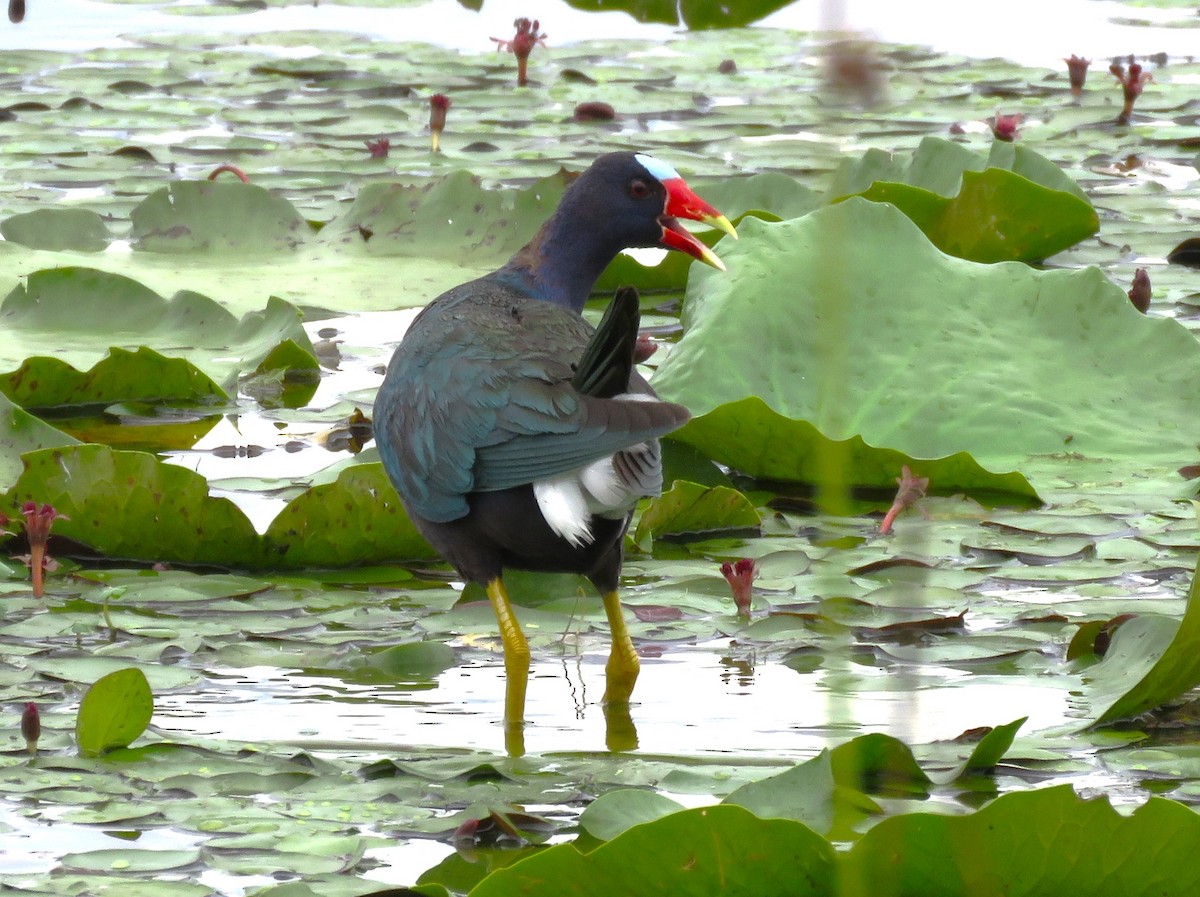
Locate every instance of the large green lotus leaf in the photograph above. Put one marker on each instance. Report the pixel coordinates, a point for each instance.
(748, 435)
(216, 216)
(1152, 659)
(1013, 205)
(59, 328)
(54, 229)
(850, 320)
(131, 505)
(21, 432)
(1043, 842)
(710, 850)
(356, 520)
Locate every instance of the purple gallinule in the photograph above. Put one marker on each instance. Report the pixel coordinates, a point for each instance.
(516, 435)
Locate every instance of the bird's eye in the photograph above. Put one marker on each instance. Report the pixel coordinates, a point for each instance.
(639, 189)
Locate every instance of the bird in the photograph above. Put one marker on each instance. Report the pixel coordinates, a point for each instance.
(517, 436)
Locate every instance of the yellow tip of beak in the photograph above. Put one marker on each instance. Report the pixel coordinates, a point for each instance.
(720, 222)
(710, 258)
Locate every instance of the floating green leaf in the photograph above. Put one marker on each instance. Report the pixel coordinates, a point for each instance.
(616, 812)
(1152, 659)
(114, 711)
(1048, 841)
(712, 850)
(216, 216)
(1012, 206)
(692, 509)
(356, 520)
(130, 505)
(60, 329)
(21, 432)
(58, 229)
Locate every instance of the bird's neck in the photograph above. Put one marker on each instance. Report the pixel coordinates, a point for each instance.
(563, 262)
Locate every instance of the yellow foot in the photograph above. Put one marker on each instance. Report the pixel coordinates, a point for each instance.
(621, 672)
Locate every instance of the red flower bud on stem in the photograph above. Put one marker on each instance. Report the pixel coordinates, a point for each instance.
(1004, 127)
(38, 521)
(31, 727)
(1077, 69)
(1139, 292)
(912, 490)
(439, 105)
(380, 148)
(1133, 82)
(521, 45)
(740, 577)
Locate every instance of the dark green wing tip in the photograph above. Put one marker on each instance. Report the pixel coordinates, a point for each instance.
(607, 362)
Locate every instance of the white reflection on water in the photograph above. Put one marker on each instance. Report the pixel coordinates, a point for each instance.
(687, 702)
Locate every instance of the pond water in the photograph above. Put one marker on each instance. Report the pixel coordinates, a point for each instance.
(716, 692)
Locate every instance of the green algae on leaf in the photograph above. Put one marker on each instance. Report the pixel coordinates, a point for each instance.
(115, 711)
(1000, 361)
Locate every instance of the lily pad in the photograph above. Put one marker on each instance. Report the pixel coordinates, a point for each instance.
(711, 850)
(60, 327)
(216, 216)
(355, 520)
(1017, 845)
(56, 229)
(1151, 659)
(21, 432)
(1012, 206)
(999, 361)
(689, 509)
(130, 505)
(115, 711)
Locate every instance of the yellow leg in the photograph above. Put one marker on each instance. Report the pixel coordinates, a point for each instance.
(516, 668)
(516, 649)
(622, 670)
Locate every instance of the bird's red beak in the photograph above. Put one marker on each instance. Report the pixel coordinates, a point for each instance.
(683, 203)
